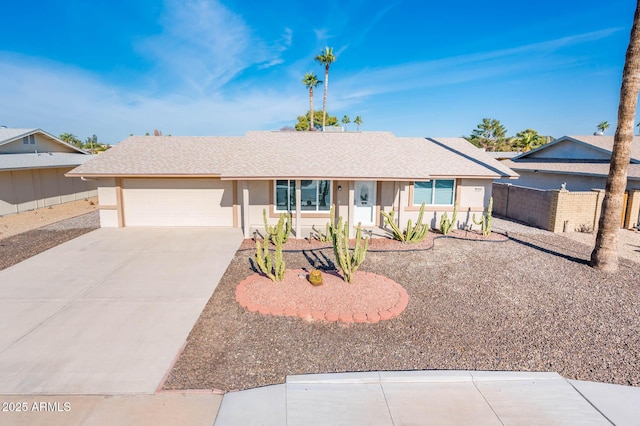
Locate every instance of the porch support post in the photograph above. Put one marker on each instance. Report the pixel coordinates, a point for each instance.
(298, 209)
(245, 209)
(402, 203)
(352, 208)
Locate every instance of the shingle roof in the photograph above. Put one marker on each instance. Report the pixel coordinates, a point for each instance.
(587, 169)
(10, 134)
(41, 160)
(265, 154)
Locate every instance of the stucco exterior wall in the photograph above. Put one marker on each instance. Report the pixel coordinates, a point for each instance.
(23, 190)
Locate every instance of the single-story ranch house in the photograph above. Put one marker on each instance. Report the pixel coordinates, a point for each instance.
(33, 164)
(228, 181)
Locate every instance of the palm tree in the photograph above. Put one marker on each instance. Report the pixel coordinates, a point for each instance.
(71, 139)
(358, 121)
(326, 58)
(605, 252)
(311, 81)
(346, 120)
(529, 139)
(604, 125)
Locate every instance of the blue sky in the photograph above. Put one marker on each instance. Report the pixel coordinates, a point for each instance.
(207, 67)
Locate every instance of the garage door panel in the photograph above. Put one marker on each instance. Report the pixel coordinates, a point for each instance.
(177, 202)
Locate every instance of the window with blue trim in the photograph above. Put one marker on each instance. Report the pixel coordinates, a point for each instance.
(315, 195)
(434, 192)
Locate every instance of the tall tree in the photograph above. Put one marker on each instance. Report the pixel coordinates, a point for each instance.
(311, 81)
(358, 121)
(490, 135)
(326, 58)
(605, 252)
(346, 120)
(72, 139)
(603, 126)
(303, 120)
(91, 143)
(529, 139)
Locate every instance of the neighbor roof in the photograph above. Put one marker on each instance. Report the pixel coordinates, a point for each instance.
(268, 155)
(8, 135)
(601, 143)
(41, 160)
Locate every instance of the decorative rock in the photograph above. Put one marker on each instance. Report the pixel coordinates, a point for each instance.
(385, 315)
(373, 317)
(346, 317)
(359, 317)
(331, 316)
(290, 312)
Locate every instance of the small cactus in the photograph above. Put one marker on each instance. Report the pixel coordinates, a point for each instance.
(486, 220)
(315, 277)
(446, 225)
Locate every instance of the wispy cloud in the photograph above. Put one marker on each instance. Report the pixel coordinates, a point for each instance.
(205, 45)
(540, 57)
(60, 99)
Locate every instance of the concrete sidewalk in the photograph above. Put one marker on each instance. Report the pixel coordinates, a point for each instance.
(432, 397)
(372, 398)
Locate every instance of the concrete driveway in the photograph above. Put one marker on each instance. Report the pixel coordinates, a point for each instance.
(107, 312)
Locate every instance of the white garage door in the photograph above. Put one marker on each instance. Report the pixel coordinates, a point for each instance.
(177, 202)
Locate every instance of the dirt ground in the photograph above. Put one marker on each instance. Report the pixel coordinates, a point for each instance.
(26, 221)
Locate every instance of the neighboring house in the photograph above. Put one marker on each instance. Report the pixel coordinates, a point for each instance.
(228, 181)
(580, 161)
(33, 164)
(579, 164)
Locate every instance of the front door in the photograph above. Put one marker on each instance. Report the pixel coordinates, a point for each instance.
(365, 202)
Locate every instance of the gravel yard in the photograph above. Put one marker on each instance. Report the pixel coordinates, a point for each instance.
(531, 304)
(21, 246)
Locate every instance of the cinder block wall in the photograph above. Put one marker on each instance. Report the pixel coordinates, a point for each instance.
(527, 205)
(572, 210)
(633, 210)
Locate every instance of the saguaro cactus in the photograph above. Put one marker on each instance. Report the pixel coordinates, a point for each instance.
(348, 260)
(486, 220)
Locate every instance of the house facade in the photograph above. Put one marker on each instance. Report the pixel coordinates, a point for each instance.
(33, 165)
(230, 181)
(570, 173)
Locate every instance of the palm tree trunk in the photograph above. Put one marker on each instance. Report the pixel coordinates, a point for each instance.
(324, 103)
(605, 252)
(311, 121)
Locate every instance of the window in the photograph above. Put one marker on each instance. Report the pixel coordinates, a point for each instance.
(435, 191)
(315, 195)
(29, 140)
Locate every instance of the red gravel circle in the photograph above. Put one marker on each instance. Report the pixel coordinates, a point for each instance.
(369, 298)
